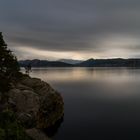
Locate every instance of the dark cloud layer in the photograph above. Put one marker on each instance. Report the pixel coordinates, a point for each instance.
(97, 26)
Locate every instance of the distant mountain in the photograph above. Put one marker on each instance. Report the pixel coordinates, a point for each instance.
(87, 63)
(70, 61)
(43, 63)
(118, 62)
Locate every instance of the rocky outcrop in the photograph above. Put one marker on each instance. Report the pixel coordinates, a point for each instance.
(36, 104)
(37, 134)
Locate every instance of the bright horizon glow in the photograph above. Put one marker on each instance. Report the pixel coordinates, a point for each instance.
(75, 29)
(109, 47)
(32, 53)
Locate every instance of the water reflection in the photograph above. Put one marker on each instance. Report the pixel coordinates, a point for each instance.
(100, 103)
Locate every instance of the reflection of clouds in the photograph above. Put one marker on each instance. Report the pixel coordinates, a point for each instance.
(94, 82)
(60, 74)
(111, 75)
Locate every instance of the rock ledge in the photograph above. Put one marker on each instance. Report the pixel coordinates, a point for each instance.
(36, 104)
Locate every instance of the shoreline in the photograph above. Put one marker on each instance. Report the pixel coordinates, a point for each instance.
(35, 104)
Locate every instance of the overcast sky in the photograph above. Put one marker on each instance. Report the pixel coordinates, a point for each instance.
(78, 29)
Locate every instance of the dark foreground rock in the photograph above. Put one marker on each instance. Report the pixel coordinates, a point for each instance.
(36, 105)
(37, 134)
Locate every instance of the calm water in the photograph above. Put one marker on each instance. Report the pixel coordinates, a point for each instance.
(100, 103)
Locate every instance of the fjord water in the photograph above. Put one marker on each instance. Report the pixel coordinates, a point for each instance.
(100, 103)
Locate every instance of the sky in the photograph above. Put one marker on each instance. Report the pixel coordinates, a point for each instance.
(72, 29)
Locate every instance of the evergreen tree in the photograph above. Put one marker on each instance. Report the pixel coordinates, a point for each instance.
(8, 62)
(8, 65)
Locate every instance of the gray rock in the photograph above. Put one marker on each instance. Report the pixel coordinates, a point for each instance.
(36, 134)
(26, 100)
(35, 83)
(50, 111)
(27, 120)
(23, 87)
(36, 102)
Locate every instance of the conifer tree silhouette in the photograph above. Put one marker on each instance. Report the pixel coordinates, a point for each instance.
(8, 65)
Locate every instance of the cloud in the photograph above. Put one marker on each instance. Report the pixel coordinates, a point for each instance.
(94, 27)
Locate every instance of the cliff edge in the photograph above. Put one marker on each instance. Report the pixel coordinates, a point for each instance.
(35, 104)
